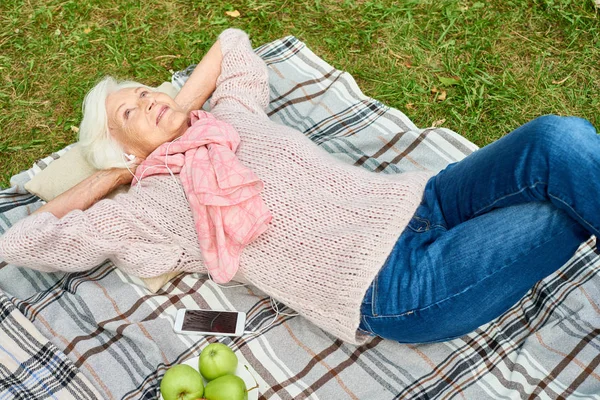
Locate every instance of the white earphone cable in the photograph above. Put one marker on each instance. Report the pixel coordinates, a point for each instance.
(275, 307)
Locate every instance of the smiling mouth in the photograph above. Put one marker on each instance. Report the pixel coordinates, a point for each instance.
(163, 110)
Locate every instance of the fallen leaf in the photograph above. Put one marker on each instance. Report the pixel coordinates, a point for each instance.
(410, 106)
(87, 30)
(442, 96)
(74, 129)
(562, 80)
(434, 90)
(233, 14)
(437, 123)
(449, 81)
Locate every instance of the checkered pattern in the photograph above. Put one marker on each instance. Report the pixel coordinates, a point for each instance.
(33, 368)
(120, 336)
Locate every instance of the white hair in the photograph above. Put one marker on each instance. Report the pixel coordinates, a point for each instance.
(100, 149)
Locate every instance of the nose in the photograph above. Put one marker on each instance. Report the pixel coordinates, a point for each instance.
(147, 102)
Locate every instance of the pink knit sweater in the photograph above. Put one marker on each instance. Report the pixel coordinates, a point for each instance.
(333, 224)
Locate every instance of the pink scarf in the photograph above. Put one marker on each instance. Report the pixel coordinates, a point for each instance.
(224, 195)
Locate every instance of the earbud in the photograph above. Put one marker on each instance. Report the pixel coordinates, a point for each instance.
(130, 157)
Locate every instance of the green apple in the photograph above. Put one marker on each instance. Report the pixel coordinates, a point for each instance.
(217, 360)
(226, 387)
(181, 382)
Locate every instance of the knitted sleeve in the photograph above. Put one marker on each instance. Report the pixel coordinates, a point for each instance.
(81, 240)
(244, 80)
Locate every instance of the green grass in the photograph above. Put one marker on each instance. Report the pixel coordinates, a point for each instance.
(501, 62)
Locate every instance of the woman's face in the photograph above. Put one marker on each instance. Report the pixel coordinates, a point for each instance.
(141, 120)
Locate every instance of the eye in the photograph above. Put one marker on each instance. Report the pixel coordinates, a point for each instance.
(126, 113)
(144, 93)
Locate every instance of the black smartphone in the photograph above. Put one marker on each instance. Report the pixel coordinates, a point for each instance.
(210, 322)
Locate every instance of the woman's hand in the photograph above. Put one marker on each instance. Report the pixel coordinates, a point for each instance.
(87, 192)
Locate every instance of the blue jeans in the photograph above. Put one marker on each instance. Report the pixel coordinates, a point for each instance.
(488, 228)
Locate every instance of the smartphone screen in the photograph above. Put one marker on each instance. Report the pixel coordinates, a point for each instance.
(210, 321)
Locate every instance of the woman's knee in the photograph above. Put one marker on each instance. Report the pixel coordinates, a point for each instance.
(558, 128)
(555, 133)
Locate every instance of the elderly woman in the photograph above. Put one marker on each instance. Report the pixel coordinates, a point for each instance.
(409, 257)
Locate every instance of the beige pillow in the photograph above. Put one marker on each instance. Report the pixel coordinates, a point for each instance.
(60, 175)
(70, 169)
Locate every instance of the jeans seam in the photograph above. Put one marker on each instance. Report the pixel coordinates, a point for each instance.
(589, 226)
(462, 291)
(374, 296)
(505, 196)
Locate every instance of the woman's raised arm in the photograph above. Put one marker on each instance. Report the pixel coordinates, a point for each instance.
(201, 84)
(244, 81)
(81, 240)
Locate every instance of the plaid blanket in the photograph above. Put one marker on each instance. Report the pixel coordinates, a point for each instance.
(33, 368)
(120, 336)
